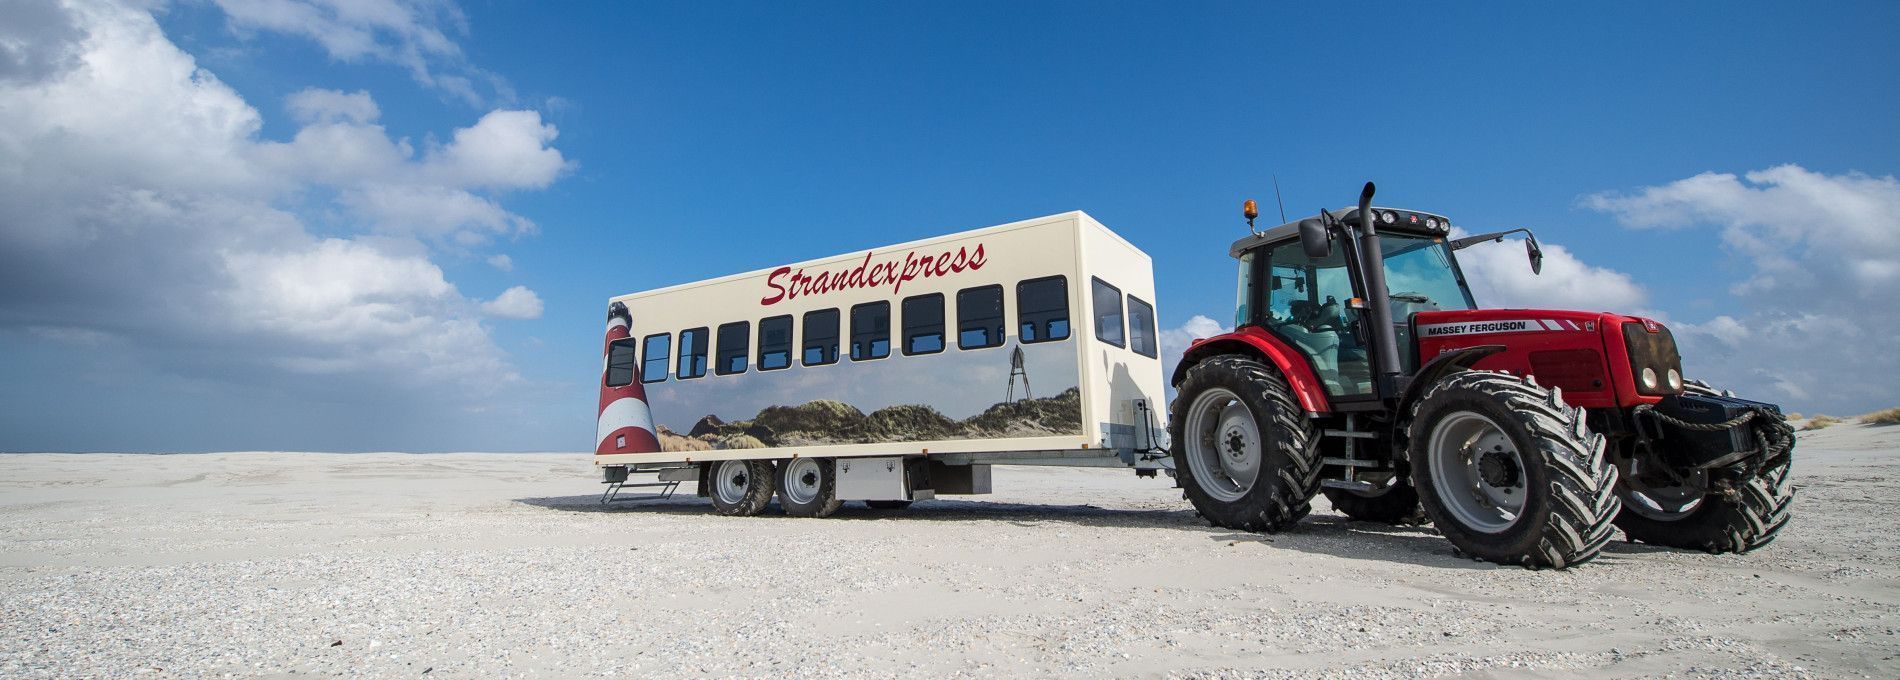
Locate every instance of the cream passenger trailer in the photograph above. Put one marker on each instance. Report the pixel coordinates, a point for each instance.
(895, 373)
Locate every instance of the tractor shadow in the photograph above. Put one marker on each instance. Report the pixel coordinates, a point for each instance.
(1321, 533)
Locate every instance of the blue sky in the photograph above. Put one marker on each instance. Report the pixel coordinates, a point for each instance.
(615, 147)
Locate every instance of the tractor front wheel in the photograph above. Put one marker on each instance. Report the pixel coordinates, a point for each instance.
(1243, 448)
(1509, 473)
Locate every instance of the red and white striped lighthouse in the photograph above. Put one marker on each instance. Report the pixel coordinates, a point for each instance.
(625, 424)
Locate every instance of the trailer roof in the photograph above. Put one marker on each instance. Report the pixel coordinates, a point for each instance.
(1073, 215)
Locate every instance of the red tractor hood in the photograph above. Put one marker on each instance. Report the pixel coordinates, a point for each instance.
(1583, 353)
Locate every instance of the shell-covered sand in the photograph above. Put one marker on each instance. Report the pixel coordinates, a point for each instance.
(489, 565)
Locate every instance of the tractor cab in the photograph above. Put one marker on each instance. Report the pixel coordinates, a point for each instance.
(1319, 304)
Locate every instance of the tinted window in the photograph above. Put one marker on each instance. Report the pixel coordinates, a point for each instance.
(656, 349)
(1042, 309)
(923, 324)
(620, 363)
(692, 353)
(1108, 313)
(821, 338)
(735, 344)
(775, 343)
(1141, 327)
(871, 331)
(980, 317)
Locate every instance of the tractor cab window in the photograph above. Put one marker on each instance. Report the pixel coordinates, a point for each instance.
(1421, 278)
(1307, 306)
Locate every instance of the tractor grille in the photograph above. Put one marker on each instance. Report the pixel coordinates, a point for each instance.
(1573, 370)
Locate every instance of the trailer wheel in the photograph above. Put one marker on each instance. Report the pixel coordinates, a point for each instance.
(1714, 521)
(887, 505)
(808, 487)
(1249, 454)
(740, 487)
(1509, 473)
(1396, 503)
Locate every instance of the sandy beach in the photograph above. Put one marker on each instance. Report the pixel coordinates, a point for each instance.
(488, 565)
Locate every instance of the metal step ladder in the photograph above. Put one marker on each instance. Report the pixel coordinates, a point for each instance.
(1350, 460)
(612, 494)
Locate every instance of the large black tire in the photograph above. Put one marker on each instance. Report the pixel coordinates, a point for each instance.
(808, 487)
(1738, 523)
(1567, 484)
(1286, 461)
(1395, 504)
(746, 488)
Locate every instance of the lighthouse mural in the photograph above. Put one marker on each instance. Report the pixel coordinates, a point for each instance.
(625, 424)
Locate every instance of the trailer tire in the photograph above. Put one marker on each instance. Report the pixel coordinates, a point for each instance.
(739, 488)
(1485, 445)
(1723, 523)
(1236, 417)
(808, 487)
(887, 505)
(1395, 504)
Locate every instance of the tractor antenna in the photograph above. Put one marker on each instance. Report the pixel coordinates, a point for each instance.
(1276, 198)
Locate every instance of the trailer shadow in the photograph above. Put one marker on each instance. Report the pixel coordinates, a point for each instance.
(1320, 533)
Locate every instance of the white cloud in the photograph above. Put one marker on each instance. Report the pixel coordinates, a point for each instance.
(1823, 259)
(1174, 341)
(163, 217)
(315, 105)
(502, 262)
(412, 34)
(515, 303)
(1500, 276)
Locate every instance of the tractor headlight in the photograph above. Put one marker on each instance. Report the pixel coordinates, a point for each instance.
(1655, 364)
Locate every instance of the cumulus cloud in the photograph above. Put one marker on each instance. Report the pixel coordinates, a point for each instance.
(1500, 276)
(165, 219)
(515, 303)
(416, 35)
(502, 262)
(1822, 257)
(1174, 341)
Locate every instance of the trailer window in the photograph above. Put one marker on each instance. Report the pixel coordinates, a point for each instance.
(821, 338)
(656, 349)
(692, 354)
(620, 363)
(1141, 327)
(775, 343)
(980, 317)
(735, 343)
(1108, 313)
(1042, 309)
(870, 331)
(923, 324)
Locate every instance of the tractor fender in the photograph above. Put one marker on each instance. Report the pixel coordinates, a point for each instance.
(1258, 344)
(1452, 360)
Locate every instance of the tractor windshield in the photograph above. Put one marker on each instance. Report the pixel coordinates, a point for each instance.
(1419, 273)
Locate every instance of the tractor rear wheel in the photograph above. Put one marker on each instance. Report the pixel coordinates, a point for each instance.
(1692, 516)
(1509, 473)
(1245, 453)
(1395, 503)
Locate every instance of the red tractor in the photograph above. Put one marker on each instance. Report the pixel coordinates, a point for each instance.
(1360, 366)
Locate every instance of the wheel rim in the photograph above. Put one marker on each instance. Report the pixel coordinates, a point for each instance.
(802, 480)
(1223, 445)
(1478, 472)
(731, 480)
(1666, 503)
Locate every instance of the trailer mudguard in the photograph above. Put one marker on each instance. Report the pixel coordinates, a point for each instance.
(1251, 341)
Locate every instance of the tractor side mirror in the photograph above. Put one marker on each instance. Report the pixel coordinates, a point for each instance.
(1536, 254)
(1314, 239)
